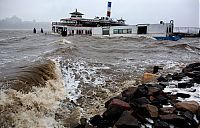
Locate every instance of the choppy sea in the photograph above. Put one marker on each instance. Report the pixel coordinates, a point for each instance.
(51, 81)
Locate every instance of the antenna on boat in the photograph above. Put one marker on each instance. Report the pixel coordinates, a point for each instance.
(109, 9)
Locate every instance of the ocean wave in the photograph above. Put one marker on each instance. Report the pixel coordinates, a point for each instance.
(184, 47)
(32, 101)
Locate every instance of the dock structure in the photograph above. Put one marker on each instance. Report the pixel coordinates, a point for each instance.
(187, 31)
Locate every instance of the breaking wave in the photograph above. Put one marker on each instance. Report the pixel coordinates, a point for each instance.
(32, 97)
(184, 47)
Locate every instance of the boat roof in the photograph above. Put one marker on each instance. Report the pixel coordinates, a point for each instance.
(76, 13)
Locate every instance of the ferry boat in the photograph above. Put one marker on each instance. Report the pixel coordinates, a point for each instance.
(106, 26)
(79, 25)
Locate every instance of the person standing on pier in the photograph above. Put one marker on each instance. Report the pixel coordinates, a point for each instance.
(42, 30)
(34, 30)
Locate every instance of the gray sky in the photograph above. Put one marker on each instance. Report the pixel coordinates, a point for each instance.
(183, 12)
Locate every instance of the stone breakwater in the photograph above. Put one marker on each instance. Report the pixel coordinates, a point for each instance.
(152, 105)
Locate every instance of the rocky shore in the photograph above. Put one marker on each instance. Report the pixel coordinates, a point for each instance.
(154, 105)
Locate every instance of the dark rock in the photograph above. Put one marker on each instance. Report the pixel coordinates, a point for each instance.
(162, 79)
(162, 85)
(161, 124)
(159, 101)
(175, 119)
(113, 113)
(120, 103)
(185, 85)
(141, 91)
(191, 106)
(127, 121)
(189, 117)
(129, 93)
(141, 115)
(95, 121)
(98, 121)
(198, 114)
(139, 102)
(191, 67)
(153, 91)
(108, 102)
(152, 110)
(167, 110)
(155, 69)
(178, 76)
(183, 95)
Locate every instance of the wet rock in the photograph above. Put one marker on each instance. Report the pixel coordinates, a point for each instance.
(183, 95)
(178, 76)
(120, 103)
(175, 120)
(107, 103)
(99, 122)
(140, 102)
(159, 101)
(162, 79)
(167, 110)
(191, 67)
(185, 85)
(187, 105)
(198, 114)
(95, 120)
(129, 93)
(142, 91)
(161, 124)
(113, 113)
(153, 91)
(152, 110)
(162, 85)
(149, 77)
(189, 117)
(127, 121)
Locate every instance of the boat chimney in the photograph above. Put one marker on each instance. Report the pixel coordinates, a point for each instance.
(109, 9)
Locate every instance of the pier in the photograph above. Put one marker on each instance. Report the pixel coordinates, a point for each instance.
(187, 31)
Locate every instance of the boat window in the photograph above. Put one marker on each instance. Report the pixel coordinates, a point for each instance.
(125, 31)
(115, 31)
(129, 31)
(122, 31)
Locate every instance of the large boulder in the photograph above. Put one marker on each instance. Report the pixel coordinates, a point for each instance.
(187, 105)
(113, 113)
(175, 120)
(120, 103)
(127, 121)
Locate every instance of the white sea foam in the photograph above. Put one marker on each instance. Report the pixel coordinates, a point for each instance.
(78, 73)
(173, 87)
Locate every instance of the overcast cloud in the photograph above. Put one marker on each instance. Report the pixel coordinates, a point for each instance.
(183, 12)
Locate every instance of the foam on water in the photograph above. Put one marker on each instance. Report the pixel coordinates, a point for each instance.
(194, 96)
(34, 109)
(78, 73)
